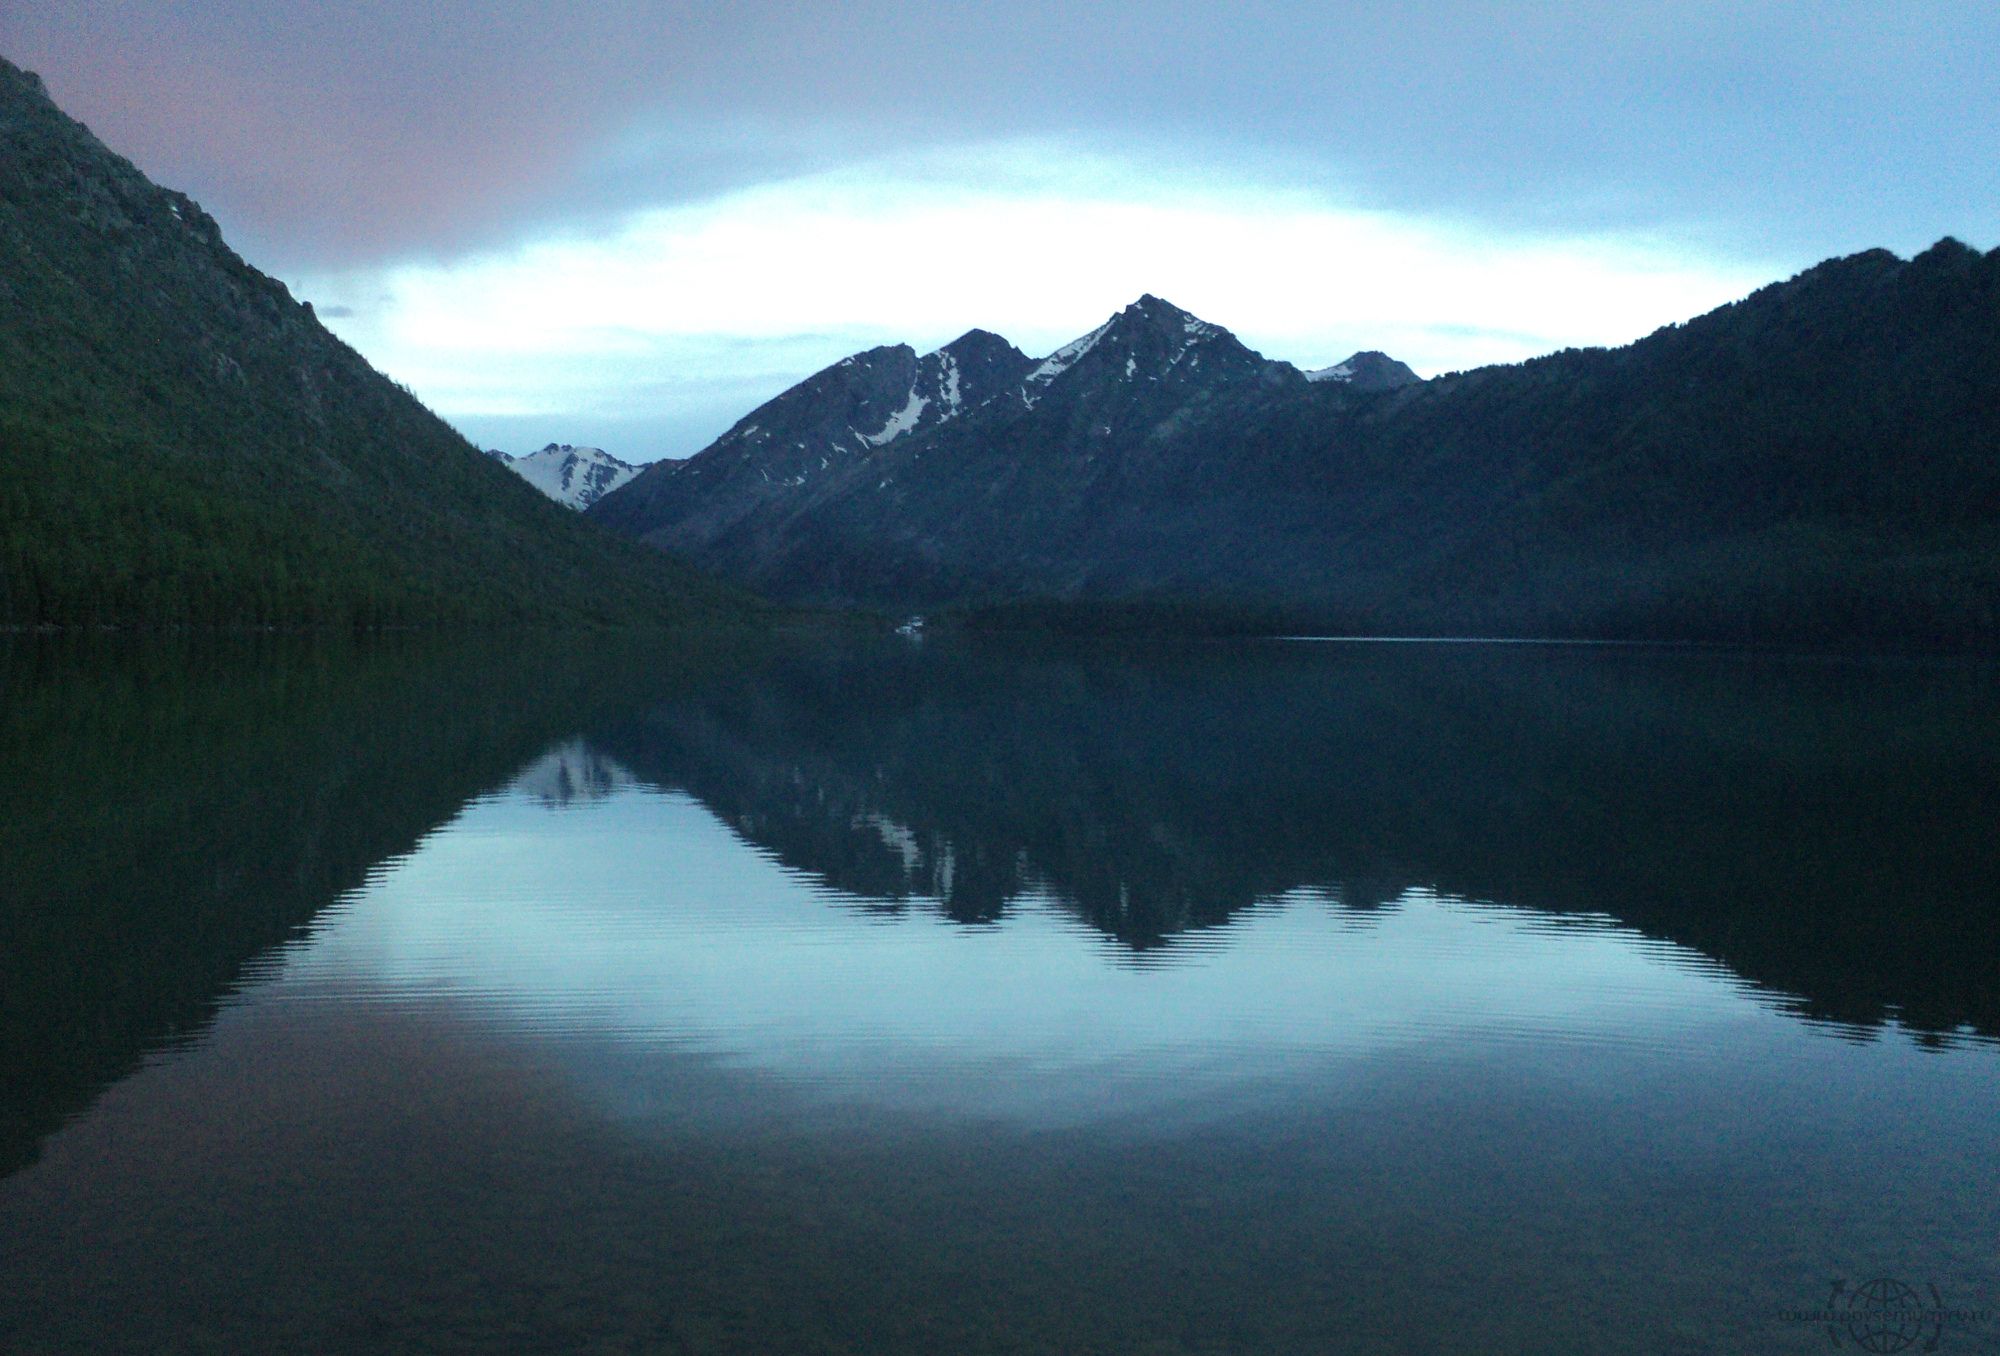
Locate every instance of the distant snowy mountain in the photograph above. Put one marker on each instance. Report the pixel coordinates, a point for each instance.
(575, 477)
(1146, 363)
(1368, 371)
(1146, 373)
(861, 403)
(819, 430)
(971, 455)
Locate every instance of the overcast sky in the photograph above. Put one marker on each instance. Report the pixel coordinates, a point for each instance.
(626, 224)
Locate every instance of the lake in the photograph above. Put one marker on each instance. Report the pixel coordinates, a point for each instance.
(832, 994)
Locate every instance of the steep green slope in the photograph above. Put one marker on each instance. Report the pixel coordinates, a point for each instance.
(182, 442)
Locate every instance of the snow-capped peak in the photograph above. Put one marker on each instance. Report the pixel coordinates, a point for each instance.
(1168, 326)
(575, 477)
(848, 411)
(1151, 340)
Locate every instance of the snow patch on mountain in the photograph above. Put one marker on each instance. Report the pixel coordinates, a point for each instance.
(901, 422)
(953, 401)
(575, 477)
(1067, 356)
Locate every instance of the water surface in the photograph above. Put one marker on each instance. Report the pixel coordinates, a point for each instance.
(1013, 998)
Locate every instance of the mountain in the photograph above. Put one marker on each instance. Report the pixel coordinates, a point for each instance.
(819, 428)
(182, 442)
(1369, 370)
(760, 502)
(1149, 348)
(1817, 463)
(575, 477)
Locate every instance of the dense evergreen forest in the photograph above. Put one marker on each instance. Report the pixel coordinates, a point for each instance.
(1818, 462)
(181, 442)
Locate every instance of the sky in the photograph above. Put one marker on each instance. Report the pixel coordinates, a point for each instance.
(626, 224)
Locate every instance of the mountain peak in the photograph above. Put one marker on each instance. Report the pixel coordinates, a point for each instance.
(1169, 325)
(838, 415)
(1158, 311)
(869, 357)
(1949, 253)
(1368, 370)
(977, 341)
(1151, 340)
(575, 477)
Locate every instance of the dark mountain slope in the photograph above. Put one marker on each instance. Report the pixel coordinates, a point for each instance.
(1046, 487)
(181, 442)
(1819, 461)
(820, 427)
(1068, 489)
(1816, 462)
(1369, 370)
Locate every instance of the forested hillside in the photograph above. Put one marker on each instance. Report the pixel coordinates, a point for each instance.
(1817, 463)
(1820, 461)
(181, 442)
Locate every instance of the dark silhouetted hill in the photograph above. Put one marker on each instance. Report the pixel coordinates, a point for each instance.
(183, 443)
(1819, 462)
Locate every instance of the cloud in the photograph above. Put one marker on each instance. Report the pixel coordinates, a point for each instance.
(1038, 240)
(644, 211)
(352, 131)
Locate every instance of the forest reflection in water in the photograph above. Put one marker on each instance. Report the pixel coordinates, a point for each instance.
(1819, 826)
(852, 995)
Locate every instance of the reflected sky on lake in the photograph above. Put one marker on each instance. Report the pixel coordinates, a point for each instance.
(584, 906)
(1209, 999)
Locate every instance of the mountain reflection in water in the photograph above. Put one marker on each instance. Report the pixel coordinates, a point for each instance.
(1821, 828)
(855, 996)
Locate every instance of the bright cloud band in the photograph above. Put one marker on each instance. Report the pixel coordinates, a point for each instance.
(751, 290)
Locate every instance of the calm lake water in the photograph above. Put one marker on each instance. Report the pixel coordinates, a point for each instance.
(843, 996)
